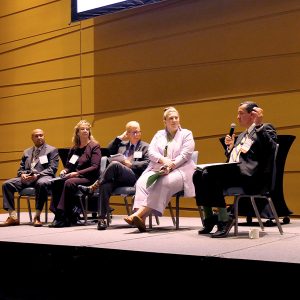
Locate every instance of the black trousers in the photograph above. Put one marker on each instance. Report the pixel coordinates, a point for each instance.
(64, 194)
(115, 175)
(210, 183)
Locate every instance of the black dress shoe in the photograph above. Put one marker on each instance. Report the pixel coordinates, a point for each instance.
(208, 224)
(59, 224)
(101, 224)
(85, 190)
(223, 228)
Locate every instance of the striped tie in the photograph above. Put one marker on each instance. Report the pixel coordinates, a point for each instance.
(35, 158)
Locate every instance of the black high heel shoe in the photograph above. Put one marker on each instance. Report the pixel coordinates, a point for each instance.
(208, 224)
(223, 228)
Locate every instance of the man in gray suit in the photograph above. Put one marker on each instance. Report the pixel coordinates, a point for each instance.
(123, 170)
(253, 150)
(38, 165)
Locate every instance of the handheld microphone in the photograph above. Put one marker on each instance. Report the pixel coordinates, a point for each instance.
(232, 127)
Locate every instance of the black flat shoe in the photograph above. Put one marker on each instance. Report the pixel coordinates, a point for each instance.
(85, 190)
(101, 224)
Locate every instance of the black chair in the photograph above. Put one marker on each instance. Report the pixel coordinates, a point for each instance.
(29, 192)
(89, 204)
(125, 192)
(86, 205)
(246, 209)
(274, 204)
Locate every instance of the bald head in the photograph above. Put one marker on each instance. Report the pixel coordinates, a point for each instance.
(38, 137)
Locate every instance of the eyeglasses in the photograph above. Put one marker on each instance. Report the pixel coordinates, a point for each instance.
(134, 132)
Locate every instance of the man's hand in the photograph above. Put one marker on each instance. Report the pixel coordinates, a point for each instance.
(229, 141)
(123, 136)
(127, 163)
(257, 113)
(27, 178)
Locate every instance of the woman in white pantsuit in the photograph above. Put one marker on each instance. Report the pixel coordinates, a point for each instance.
(170, 152)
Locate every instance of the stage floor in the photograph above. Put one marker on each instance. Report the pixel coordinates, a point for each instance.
(163, 238)
(73, 262)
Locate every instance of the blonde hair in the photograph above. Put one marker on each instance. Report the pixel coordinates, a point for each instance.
(132, 124)
(169, 110)
(75, 138)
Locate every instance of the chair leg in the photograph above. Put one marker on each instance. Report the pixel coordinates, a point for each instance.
(29, 209)
(108, 218)
(177, 212)
(157, 220)
(200, 209)
(150, 220)
(127, 206)
(275, 215)
(18, 207)
(172, 213)
(236, 214)
(257, 213)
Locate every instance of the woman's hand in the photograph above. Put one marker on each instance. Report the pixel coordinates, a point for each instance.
(62, 173)
(165, 161)
(72, 175)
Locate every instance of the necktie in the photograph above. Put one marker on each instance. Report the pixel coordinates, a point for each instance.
(236, 151)
(131, 150)
(35, 158)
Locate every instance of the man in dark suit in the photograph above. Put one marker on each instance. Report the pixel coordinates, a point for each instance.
(123, 170)
(38, 165)
(253, 149)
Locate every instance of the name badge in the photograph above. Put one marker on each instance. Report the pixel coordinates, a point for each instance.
(137, 154)
(43, 159)
(247, 145)
(73, 159)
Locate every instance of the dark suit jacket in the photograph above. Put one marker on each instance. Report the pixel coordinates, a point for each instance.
(257, 162)
(47, 169)
(88, 163)
(138, 164)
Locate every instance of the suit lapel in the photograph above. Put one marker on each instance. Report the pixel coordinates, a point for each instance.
(240, 137)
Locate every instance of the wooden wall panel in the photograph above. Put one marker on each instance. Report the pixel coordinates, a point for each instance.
(60, 44)
(36, 87)
(33, 19)
(291, 192)
(174, 17)
(246, 41)
(58, 132)
(67, 68)
(32, 106)
(179, 85)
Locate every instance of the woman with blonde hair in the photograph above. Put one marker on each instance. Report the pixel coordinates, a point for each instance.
(170, 153)
(82, 168)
